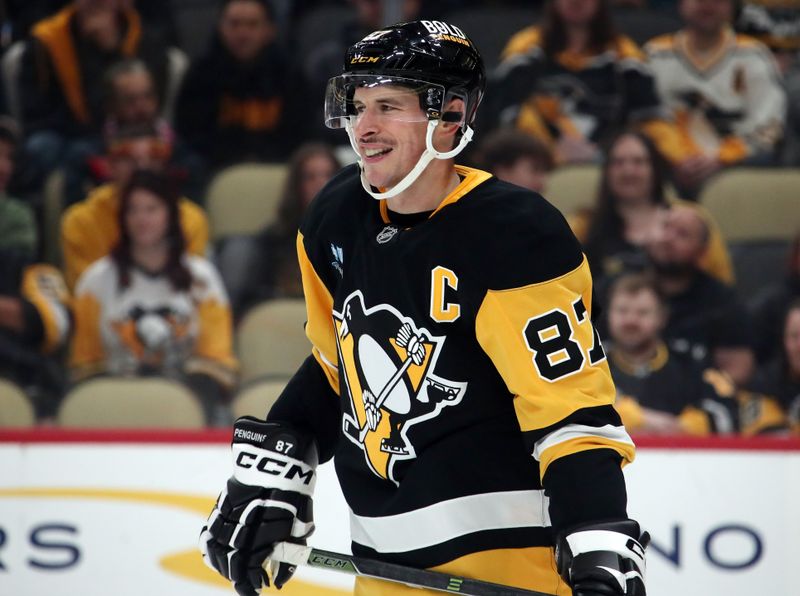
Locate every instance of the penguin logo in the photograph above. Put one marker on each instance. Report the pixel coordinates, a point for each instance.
(388, 363)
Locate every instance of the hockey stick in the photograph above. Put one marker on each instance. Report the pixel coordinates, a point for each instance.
(403, 342)
(297, 554)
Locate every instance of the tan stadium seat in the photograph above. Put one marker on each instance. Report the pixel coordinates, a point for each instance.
(243, 199)
(573, 187)
(758, 212)
(752, 204)
(271, 339)
(16, 409)
(256, 398)
(117, 402)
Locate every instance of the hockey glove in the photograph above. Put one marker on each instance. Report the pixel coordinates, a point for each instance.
(267, 500)
(605, 559)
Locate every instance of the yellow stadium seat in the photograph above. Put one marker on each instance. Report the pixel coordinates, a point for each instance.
(117, 402)
(243, 199)
(755, 204)
(271, 339)
(573, 187)
(16, 409)
(256, 398)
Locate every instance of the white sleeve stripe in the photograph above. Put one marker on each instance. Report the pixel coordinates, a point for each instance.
(577, 431)
(326, 361)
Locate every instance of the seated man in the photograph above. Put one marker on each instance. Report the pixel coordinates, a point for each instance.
(89, 229)
(694, 297)
(234, 102)
(659, 391)
(67, 54)
(723, 89)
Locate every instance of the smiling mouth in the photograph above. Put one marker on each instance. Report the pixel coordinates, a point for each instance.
(376, 152)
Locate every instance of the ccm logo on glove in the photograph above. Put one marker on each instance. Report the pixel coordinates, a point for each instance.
(276, 467)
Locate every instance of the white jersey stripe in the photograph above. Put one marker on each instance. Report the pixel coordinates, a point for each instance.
(577, 431)
(440, 522)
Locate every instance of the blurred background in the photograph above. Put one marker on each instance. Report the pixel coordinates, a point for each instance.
(156, 158)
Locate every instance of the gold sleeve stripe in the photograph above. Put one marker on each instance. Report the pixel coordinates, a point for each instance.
(575, 438)
(694, 421)
(521, 42)
(215, 341)
(500, 328)
(732, 150)
(44, 287)
(630, 411)
(319, 311)
(330, 371)
(87, 344)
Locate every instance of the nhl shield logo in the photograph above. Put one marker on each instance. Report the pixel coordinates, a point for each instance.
(386, 234)
(388, 367)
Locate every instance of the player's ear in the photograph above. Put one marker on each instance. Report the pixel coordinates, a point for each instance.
(453, 116)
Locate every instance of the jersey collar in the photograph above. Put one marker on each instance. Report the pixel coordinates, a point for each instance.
(470, 178)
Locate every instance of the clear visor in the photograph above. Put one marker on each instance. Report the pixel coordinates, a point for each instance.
(389, 97)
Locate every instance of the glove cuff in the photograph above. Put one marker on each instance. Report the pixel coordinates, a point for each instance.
(610, 553)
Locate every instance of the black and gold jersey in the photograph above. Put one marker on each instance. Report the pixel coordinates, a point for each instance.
(460, 365)
(591, 95)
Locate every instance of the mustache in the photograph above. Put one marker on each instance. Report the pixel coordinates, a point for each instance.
(375, 141)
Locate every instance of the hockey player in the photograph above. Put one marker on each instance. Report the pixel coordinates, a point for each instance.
(456, 375)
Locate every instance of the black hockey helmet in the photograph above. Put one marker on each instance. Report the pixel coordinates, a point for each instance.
(434, 58)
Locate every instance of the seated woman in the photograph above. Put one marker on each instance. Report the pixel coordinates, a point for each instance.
(151, 308)
(262, 267)
(630, 204)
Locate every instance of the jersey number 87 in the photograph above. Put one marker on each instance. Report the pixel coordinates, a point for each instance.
(556, 352)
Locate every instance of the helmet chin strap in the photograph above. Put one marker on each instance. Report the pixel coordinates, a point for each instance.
(427, 157)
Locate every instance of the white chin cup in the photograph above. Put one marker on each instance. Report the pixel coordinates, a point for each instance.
(427, 157)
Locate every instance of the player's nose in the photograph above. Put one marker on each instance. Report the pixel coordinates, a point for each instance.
(367, 123)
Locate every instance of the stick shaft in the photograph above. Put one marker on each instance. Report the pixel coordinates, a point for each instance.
(296, 554)
(387, 389)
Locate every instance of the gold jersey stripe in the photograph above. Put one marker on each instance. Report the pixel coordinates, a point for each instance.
(531, 568)
(319, 306)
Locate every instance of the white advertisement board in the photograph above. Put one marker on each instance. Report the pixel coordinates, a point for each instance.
(109, 518)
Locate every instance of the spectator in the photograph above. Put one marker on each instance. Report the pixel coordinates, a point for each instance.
(781, 377)
(18, 231)
(659, 390)
(631, 202)
(770, 306)
(234, 103)
(33, 327)
(265, 266)
(777, 25)
(66, 56)
(89, 228)
(694, 297)
(574, 82)
(151, 308)
(131, 101)
(723, 89)
(733, 360)
(515, 157)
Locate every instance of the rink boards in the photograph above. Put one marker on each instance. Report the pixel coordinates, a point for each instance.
(98, 513)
